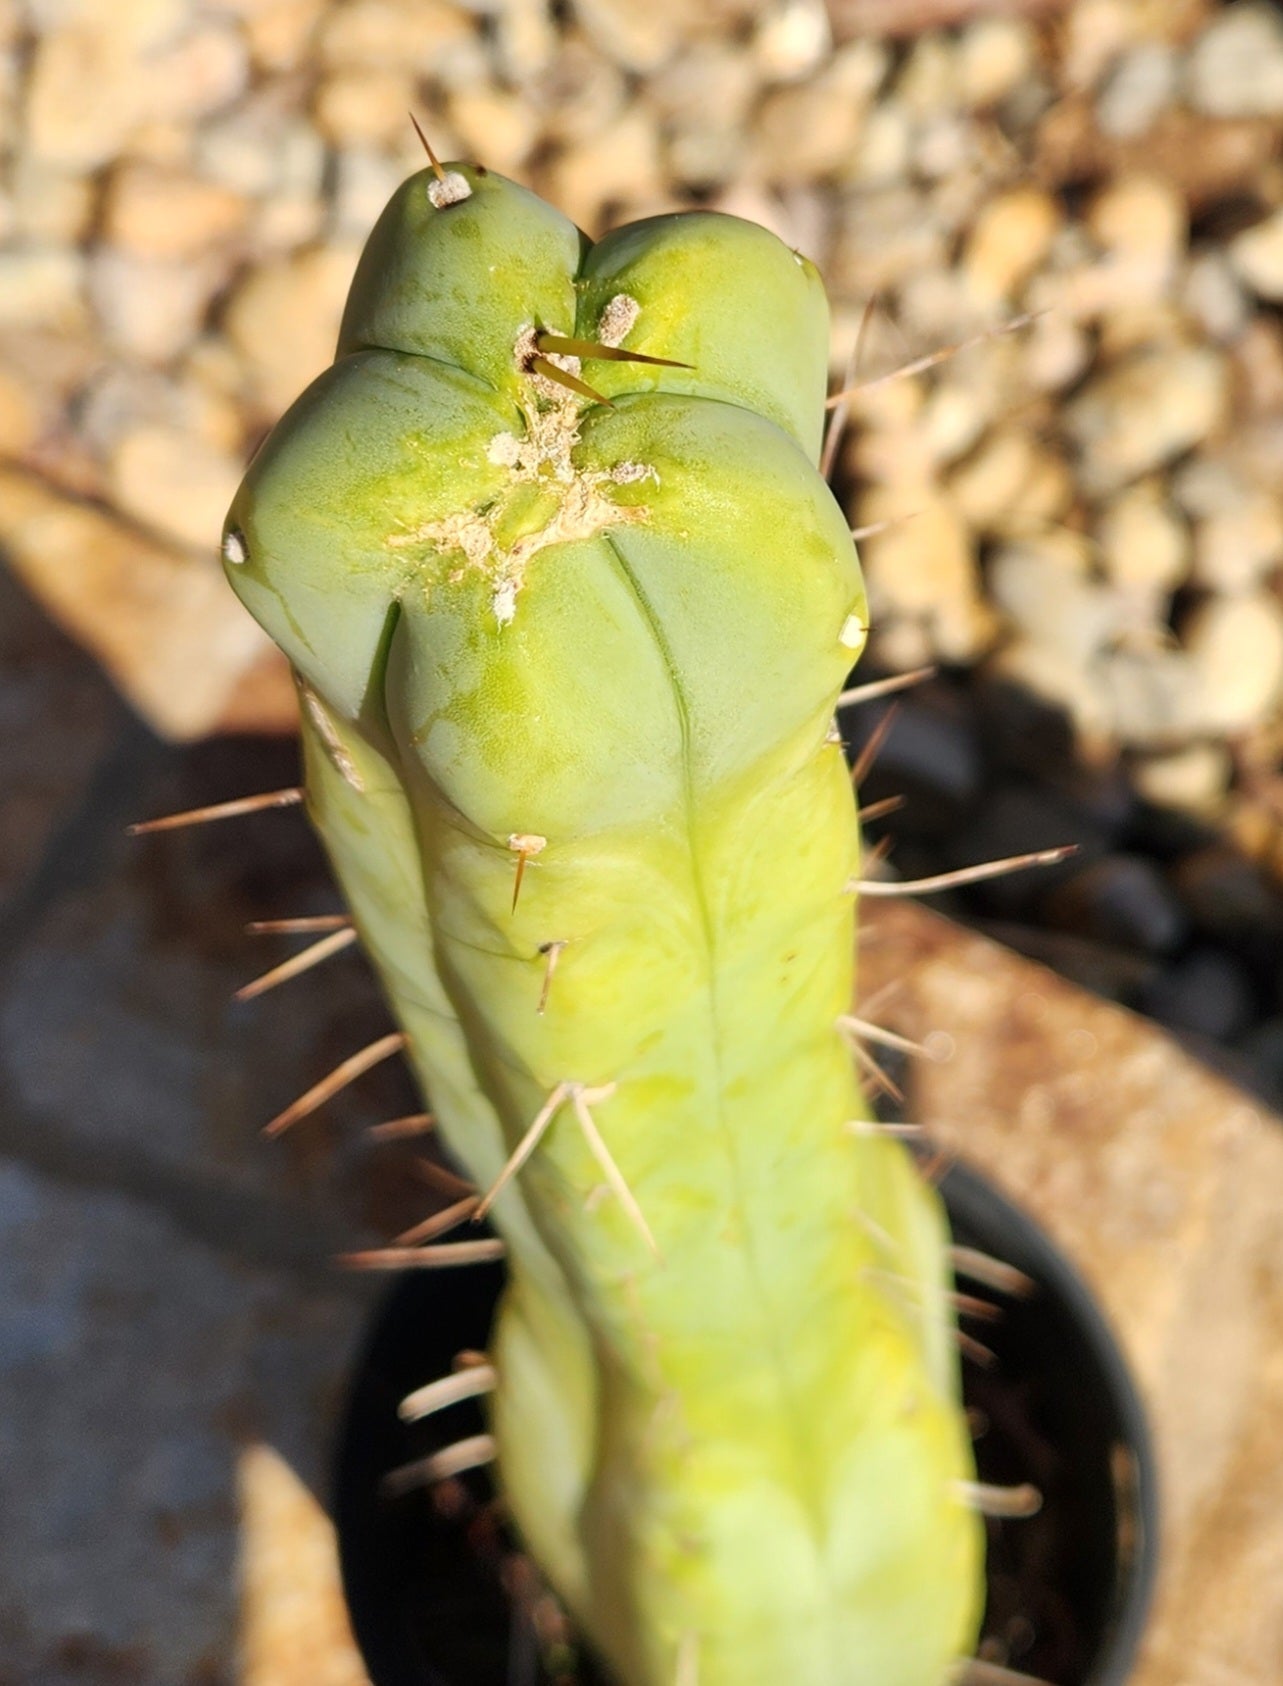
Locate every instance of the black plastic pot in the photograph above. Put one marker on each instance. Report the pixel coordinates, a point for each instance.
(425, 1574)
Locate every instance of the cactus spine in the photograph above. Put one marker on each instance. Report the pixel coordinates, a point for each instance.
(569, 628)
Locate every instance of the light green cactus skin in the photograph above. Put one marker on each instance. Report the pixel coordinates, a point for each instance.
(622, 629)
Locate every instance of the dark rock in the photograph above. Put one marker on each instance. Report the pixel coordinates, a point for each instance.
(1168, 833)
(1205, 992)
(1262, 1050)
(1104, 795)
(1015, 820)
(1022, 732)
(1122, 900)
(930, 756)
(1228, 896)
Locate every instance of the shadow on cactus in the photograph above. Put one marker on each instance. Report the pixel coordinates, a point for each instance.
(570, 606)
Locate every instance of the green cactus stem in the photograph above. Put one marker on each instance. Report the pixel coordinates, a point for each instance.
(570, 606)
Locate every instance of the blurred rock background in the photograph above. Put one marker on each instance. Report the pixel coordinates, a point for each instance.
(1079, 523)
(1080, 520)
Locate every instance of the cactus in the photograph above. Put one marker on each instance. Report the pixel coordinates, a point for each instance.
(570, 606)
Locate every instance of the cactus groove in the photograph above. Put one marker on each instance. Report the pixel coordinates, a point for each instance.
(569, 628)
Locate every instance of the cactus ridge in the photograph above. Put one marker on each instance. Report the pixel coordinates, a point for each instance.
(569, 629)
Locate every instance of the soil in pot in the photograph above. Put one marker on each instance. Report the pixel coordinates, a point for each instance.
(440, 1596)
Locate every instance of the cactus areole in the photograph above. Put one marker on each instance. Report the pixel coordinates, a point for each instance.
(569, 605)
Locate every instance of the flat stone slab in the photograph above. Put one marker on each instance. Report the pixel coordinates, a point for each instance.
(144, 1375)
